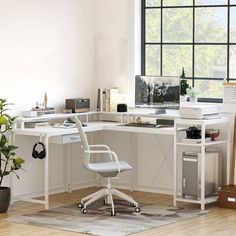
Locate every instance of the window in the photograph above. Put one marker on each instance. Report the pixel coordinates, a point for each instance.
(199, 35)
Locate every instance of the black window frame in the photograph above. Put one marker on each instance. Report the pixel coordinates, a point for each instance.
(193, 43)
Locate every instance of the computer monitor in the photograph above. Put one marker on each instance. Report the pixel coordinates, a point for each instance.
(159, 92)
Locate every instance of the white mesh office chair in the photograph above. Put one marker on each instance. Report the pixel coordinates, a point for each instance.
(106, 169)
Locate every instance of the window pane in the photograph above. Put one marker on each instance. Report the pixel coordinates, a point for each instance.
(211, 24)
(210, 61)
(152, 66)
(233, 1)
(209, 88)
(177, 26)
(153, 3)
(177, 2)
(153, 23)
(175, 58)
(211, 2)
(233, 24)
(232, 62)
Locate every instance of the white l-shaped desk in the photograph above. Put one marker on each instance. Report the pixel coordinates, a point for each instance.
(49, 134)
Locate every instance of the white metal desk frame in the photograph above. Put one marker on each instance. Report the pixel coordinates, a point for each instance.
(47, 133)
(203, 145)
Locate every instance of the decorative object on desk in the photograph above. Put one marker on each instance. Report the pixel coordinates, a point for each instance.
(183, 87)
(99, 222)
(9, 162)
(193, 133)
(139, 120)
(212, 133)
(67, 111)
(39, 154)
(45, 100)
(192, 93)
(121, 107)
(99, 100)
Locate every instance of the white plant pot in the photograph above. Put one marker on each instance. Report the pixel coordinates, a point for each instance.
(193, 99)
(183, 98)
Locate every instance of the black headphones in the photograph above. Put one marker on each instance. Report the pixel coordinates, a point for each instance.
(41, 154)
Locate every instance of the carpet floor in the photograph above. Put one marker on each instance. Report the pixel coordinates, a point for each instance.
(98, 220)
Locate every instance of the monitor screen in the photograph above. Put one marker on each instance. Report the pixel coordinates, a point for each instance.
(157, 91)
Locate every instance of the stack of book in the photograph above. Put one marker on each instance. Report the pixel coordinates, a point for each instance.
(36, 124)
(44, 111)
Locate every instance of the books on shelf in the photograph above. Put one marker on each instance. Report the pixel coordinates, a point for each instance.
(44, 111)
(36, 124)
(193, 141)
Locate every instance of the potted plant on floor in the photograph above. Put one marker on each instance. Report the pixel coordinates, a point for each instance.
(183, 87)
(9, 163)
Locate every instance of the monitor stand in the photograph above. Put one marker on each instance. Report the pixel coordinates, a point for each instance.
(160, 111)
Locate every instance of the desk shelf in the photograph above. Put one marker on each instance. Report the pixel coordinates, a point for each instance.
(207, 200)
(200, 148)
(210, 143)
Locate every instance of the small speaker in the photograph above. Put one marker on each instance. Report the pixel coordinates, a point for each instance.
(122, 107)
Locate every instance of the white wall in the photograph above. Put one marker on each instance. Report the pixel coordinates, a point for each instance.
(46, 46)
(67, 48)
(114, 44)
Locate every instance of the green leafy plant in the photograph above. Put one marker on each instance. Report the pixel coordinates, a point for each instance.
(183, 83)
(192, 92)
(8, 160)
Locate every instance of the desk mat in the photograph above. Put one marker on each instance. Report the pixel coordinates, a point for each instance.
(98, 220)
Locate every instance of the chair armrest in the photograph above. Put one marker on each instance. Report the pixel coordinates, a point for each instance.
(113, 154)
(102, 146)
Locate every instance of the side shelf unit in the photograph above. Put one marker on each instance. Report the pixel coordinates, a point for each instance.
(179, 147)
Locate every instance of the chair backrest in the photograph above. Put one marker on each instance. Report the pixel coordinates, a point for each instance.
(85, 146)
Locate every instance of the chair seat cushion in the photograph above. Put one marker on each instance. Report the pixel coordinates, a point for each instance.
(109, 166)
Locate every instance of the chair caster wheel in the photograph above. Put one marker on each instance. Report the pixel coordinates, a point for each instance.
(80, 205)
(84, 210)
(113, 214)
(137, 209)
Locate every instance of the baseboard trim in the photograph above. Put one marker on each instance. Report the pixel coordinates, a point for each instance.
(53, 190)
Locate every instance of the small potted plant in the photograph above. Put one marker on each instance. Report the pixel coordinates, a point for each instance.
(192, 93)
(183, 87)
(9, 163)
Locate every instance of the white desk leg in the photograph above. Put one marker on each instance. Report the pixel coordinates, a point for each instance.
(133, 155)
(175, 166)
(46, 172)
(203, 171)
(68, 162)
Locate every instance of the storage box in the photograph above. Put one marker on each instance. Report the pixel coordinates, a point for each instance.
(227, 196)
(199, 112)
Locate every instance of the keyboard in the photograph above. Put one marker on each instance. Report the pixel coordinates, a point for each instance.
(64, 125)
(147, 125)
